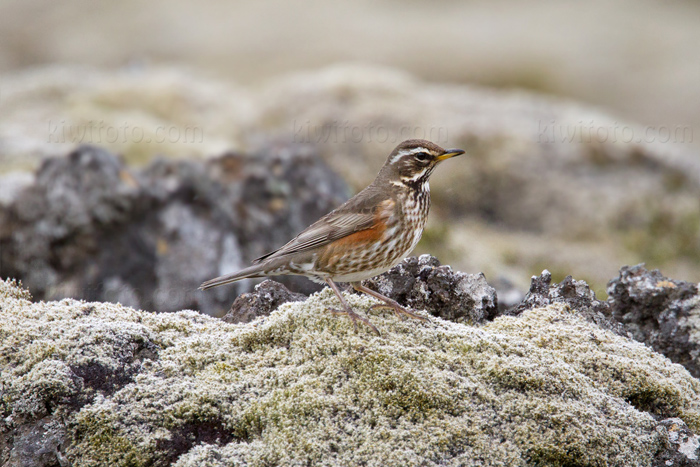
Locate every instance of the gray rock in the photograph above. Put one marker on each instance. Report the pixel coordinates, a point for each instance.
(575, 294)
(91, 228)
(682, 445)
(416, 282)
(36, 444)
(422, 283)
(661, 312)
(268, 296)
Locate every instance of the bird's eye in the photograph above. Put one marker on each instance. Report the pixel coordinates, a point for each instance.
(422, 156)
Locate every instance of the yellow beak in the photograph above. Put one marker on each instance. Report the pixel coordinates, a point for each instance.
(450, 153)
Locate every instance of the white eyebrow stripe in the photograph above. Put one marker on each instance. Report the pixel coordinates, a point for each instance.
(406, 152)
(415, 177)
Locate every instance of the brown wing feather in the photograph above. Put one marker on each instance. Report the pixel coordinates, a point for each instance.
(356, 214)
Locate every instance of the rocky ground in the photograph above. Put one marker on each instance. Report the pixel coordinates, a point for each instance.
(546, 183)
(555, 380)
(90, 227)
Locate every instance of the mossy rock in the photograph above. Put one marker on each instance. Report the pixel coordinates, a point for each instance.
(302, 387)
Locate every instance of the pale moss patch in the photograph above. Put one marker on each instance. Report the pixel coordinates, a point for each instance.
(624, 368)
(10, 289)
(48, 384)
(300, 387)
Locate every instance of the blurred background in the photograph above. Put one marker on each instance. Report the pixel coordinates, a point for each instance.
(582, 127)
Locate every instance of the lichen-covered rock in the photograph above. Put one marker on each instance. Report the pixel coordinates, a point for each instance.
(266, 298)
(301, 387)
(662, 312)
(91, 228)
(417, 282)
(682, 445)
(577, 295)
(422, 283)
(35, 444)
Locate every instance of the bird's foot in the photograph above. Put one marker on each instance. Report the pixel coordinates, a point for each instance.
(400, 311)
(355, 318)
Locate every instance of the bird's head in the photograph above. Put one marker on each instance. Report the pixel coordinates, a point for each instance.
(412, 162)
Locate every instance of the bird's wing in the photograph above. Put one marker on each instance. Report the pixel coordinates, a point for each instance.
(351, 217)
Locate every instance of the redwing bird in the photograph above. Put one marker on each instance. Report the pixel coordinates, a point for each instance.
(367, 235)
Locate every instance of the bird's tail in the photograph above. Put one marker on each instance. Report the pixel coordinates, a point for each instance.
(257, 270)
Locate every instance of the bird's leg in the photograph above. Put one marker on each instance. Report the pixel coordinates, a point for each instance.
(347, 309)
(388, 303)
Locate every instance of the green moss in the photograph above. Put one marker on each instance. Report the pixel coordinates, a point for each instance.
(301, 387)
(104, 445)
(663, 234)
(511, 257)
(435, 239)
